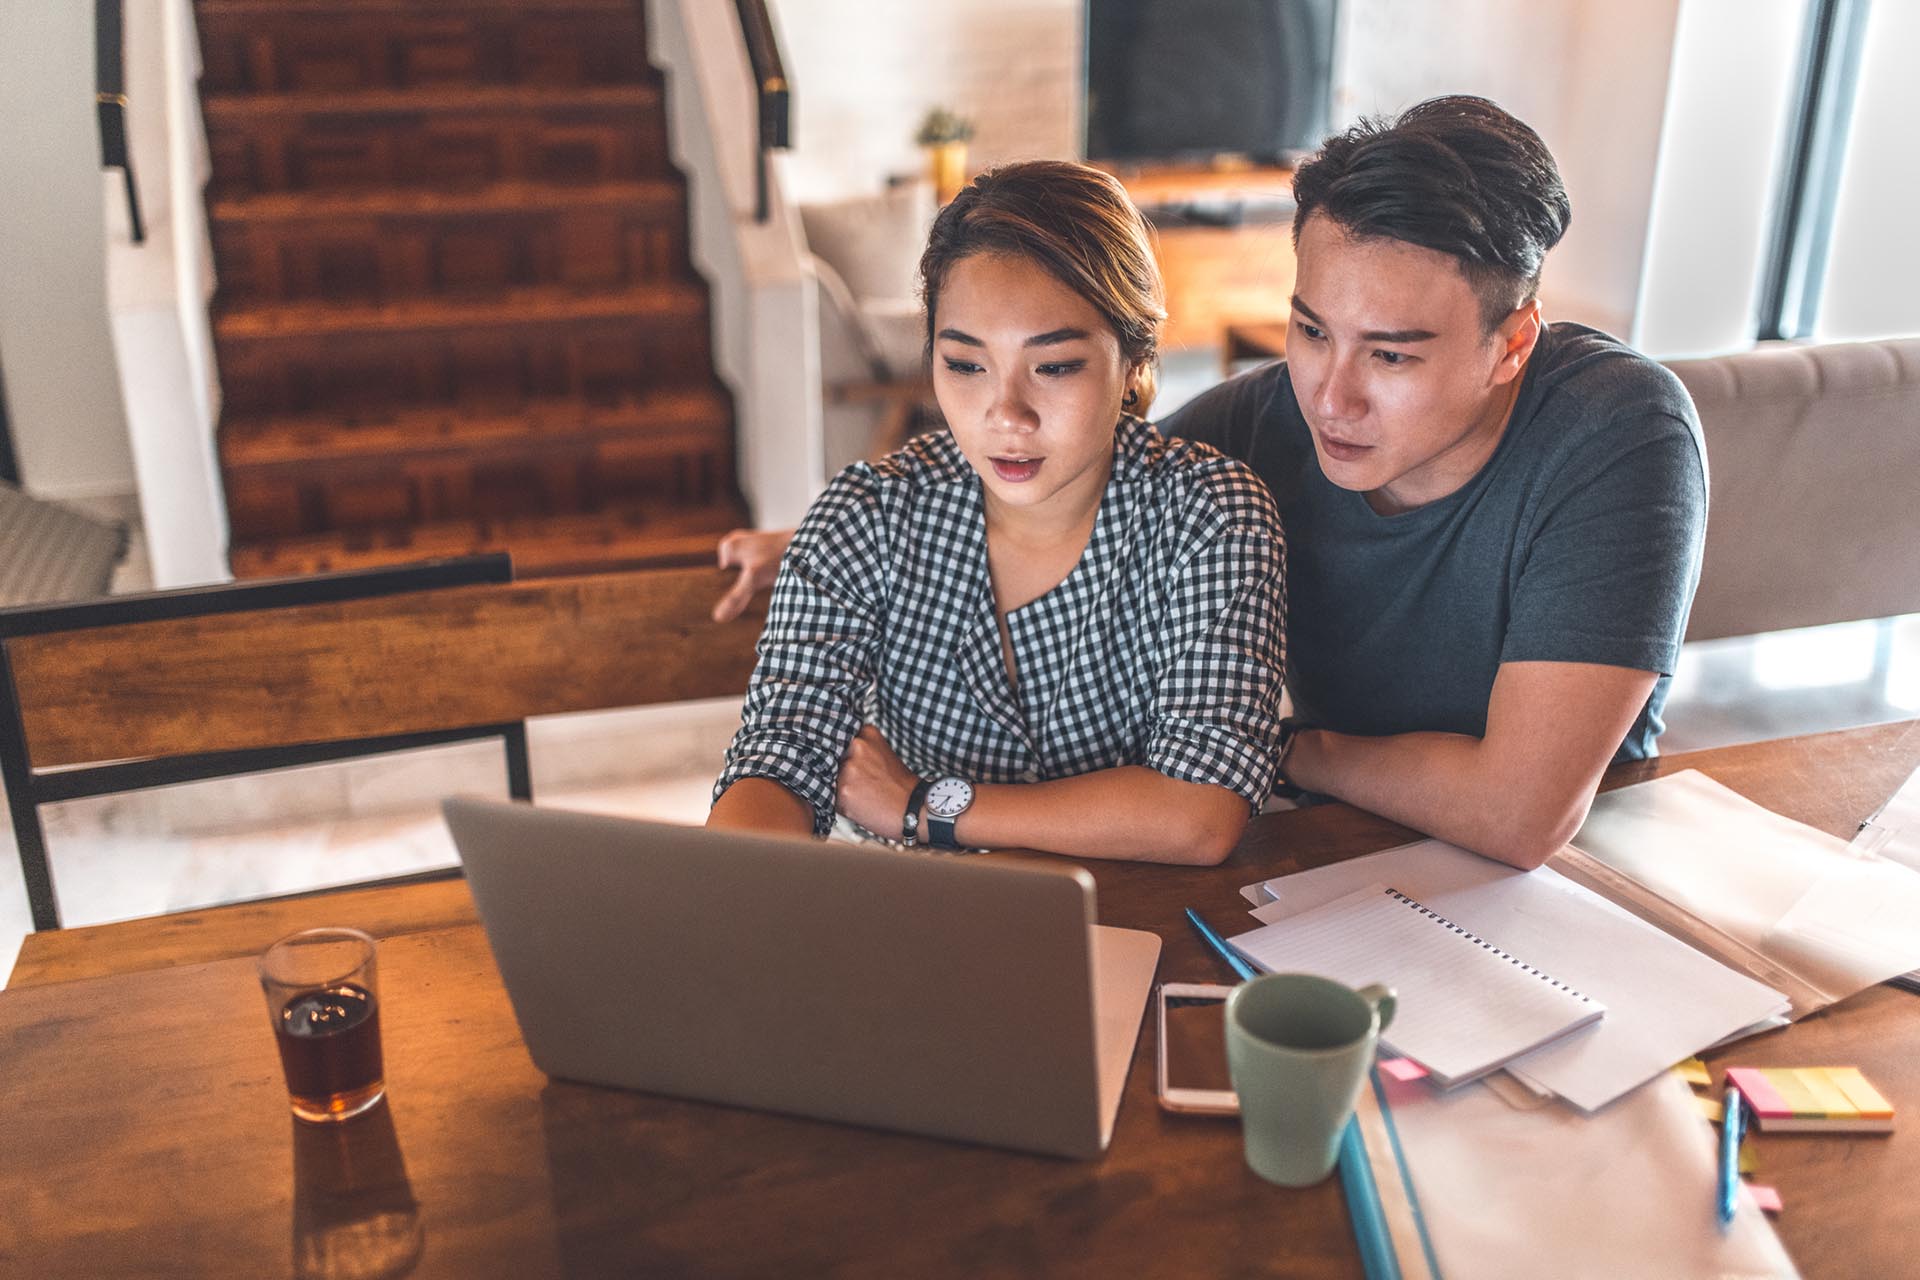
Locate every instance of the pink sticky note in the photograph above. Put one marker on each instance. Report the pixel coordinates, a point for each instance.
(1765, 1197)
(1403, 1069)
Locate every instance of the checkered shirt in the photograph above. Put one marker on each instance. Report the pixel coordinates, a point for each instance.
(1164, 647)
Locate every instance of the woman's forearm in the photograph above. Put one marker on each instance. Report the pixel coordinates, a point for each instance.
(1131, 813)
(761, 804)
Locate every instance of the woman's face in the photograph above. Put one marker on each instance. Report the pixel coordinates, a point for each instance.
(1031, 378)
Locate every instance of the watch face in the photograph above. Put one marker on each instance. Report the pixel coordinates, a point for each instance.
(949, 797)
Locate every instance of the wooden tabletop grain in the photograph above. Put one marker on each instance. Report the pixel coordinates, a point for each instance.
(145, 1128)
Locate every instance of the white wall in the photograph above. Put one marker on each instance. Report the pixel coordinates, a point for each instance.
(866, 71)
(1873, 278)
(1735, 71)
(63, 393)
(762, 290)
(158, 292)
(1590, 79)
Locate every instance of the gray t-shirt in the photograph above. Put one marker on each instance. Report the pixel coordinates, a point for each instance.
(1579, 541)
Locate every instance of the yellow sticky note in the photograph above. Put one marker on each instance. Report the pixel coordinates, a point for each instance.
(1794, 1091)
(1833, 1100)
(1865, 1098)
(1709, 1107)
(1749, 1158)
(1695, 1073)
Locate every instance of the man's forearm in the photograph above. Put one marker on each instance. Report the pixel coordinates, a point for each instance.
(1449, 786)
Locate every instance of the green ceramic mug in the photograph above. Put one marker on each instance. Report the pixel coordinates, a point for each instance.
(1298, 1048)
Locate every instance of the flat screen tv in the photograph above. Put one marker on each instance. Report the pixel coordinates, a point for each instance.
(1190, 80)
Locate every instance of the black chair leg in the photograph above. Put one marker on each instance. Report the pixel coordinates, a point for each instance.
(34, 867)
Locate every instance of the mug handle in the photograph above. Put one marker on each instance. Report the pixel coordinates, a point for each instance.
(1383, 1001)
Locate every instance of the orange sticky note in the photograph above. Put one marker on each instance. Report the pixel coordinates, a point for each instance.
(1766, 1198)
(1403, 1069)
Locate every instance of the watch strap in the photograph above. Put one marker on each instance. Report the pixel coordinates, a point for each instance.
(910, 820)
(1283, 786)
(940, 831)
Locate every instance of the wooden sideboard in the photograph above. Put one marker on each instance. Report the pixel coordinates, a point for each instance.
(1219, 275)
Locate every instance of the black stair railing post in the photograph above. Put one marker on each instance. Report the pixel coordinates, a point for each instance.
(773, 121)
(110, 99)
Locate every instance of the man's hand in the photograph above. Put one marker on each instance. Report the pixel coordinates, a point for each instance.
(756, 554)
(874, 786)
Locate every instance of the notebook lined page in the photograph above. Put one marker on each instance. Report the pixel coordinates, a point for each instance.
(1465, 1007)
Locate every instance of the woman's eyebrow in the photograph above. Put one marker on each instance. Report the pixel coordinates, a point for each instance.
(1051, 338)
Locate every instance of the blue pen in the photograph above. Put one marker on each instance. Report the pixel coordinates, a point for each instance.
(1730, 1126)
(1219, 944)
(1377, 1258)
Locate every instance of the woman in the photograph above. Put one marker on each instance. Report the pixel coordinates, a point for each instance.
(1047, 626)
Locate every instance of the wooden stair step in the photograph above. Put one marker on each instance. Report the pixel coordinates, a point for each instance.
(275, 207)
(205, 9)
(250, 110)
(440, 137)
(632, 537)
(514, 309)
(664, 423)
(343, 45)
(373, 245)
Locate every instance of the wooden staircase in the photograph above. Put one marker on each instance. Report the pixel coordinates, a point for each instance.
(456, 310)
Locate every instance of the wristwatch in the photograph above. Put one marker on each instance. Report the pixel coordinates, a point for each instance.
(947, 799)
(1283, 786)
(910, 821)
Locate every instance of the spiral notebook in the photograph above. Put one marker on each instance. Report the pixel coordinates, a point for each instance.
(1465, 1007)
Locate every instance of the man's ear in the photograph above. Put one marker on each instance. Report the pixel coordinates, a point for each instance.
(1516, 338)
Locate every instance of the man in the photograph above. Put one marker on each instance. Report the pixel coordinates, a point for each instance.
(1494, 524)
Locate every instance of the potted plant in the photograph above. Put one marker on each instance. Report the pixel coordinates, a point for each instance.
(945, 135)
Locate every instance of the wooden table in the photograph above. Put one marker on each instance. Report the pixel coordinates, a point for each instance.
(145, 1128)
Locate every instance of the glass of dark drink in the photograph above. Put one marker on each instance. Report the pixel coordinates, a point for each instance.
(325, 1007)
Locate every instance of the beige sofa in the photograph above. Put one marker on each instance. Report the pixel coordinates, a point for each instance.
(1813, 454)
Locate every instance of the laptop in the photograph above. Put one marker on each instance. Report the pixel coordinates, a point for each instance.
(964, 998)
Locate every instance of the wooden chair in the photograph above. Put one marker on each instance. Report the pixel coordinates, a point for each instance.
(177, 686)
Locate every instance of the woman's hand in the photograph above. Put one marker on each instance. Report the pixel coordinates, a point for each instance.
(874, 786)
(756, 554)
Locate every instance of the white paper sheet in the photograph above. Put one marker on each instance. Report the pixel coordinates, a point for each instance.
(1665, 1001)
(1839, 917)
(1625, 1194)
(1894, 833)
(1463, 1009)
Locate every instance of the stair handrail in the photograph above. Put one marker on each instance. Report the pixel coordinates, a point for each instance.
(110, 100)
(773, 122)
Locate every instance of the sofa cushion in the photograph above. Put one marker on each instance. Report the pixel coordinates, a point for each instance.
(874, 242)
(1813, 454)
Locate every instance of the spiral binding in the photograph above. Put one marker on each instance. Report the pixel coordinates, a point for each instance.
(1475, 938)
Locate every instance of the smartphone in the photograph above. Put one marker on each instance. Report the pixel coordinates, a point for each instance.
(1192, 1023)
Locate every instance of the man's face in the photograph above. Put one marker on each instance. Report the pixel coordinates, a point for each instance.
(1406, 394)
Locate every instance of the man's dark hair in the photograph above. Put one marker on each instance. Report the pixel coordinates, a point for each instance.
(1456, 175)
